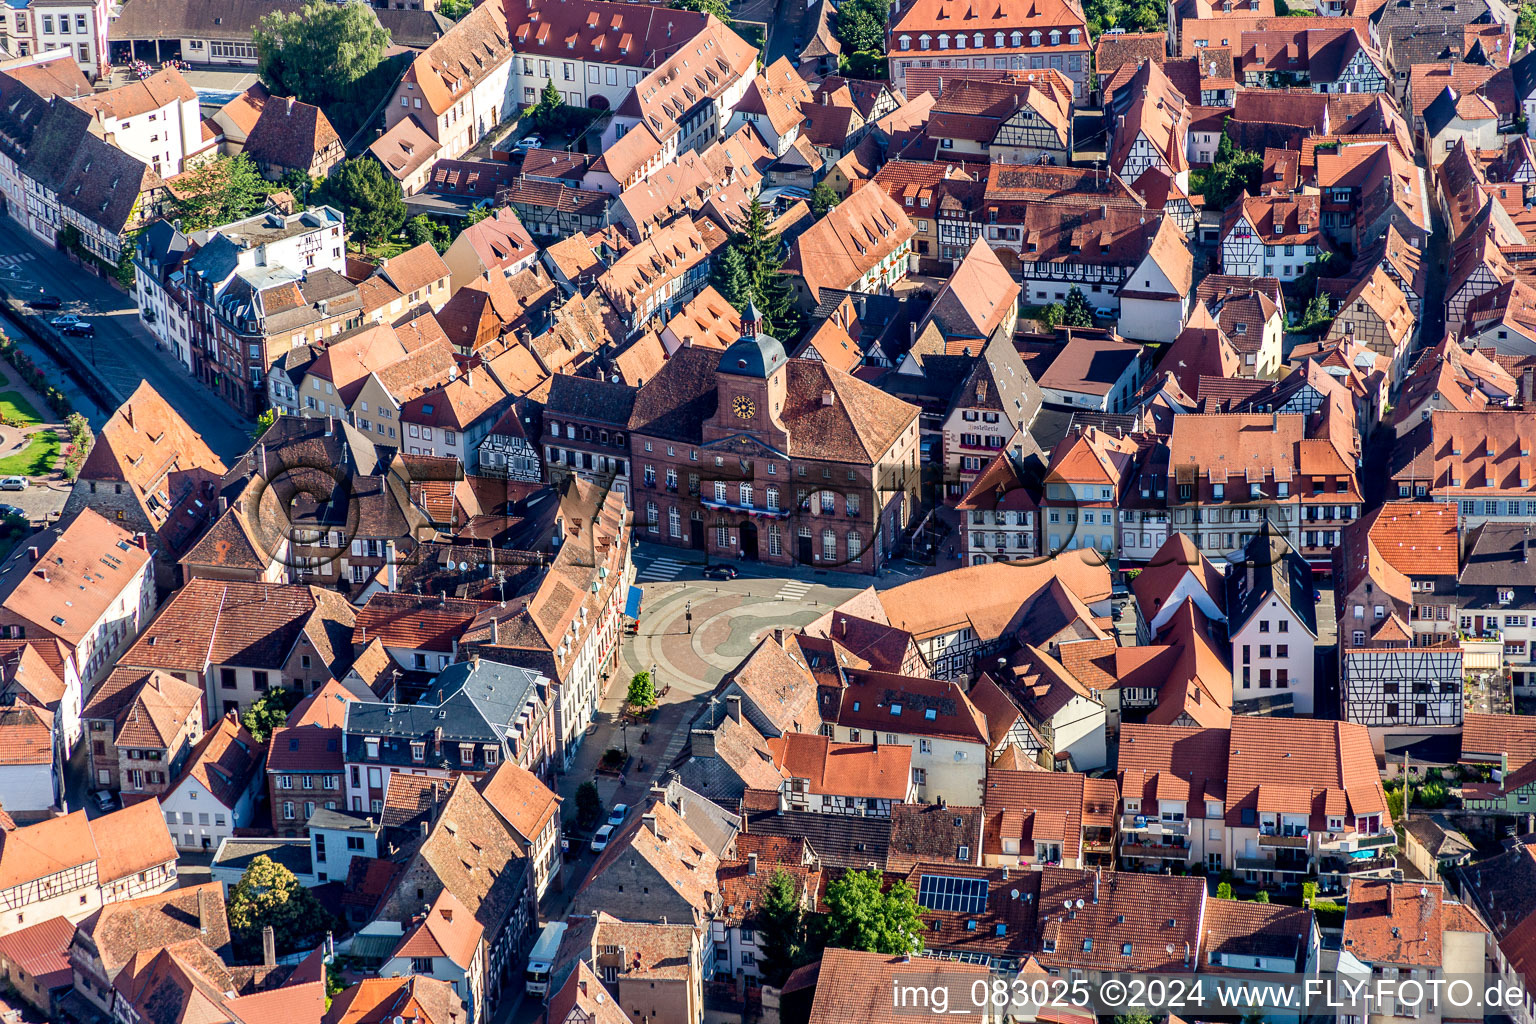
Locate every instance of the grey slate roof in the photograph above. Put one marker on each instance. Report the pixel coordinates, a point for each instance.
(1009, 386)
(1277, 571)
(598, 400)
(839, 840)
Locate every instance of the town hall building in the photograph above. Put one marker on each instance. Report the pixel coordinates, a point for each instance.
(750, 454)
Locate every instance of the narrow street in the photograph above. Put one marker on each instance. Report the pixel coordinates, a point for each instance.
(122, 351)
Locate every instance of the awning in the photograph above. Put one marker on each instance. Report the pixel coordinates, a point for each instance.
(632, 603)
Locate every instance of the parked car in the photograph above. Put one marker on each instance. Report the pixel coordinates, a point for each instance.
(65, 320)
(600, 841)
(720, 572)
(619, 813)
(11, 510)
(44, 302)
(83, 329)
(104, 799)
(13, 483)
(528, 142)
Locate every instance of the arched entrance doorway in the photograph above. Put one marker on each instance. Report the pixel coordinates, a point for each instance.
(748, 539)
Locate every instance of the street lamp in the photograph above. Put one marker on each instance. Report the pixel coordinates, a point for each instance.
(625, 727)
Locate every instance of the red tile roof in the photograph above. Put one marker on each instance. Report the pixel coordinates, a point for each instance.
(865, 770)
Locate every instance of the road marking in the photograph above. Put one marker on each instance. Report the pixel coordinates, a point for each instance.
(661, 570)
(794, 590)
(10, 260)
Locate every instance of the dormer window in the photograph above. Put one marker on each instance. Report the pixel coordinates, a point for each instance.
(997, 40)
(418, 751)
(1034, 38)
(906, 42)
(1018, 38)
(1074, 37)
(1055, 37)
(943, 40)
(922, 42)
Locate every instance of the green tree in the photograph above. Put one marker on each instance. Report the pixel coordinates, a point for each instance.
(762, 259)
(297, 182)
(269, 894)
(589, 804)
(1316, 317)
(1132, 1018)
(731, 279)
(548, 115)
(719, 8)
(780, 926)
(1224, 891)
(1262, 897)
(218, 192)
(823, 198)
(455, 9)
(1232, 171)
(1050, 315)
(1308, 893)
(264, 421)
(1525, 26)
(867, 64)
(422, 229)
(1076, 312)
(860, 916)
(860, 25)
(268, 712)
(321, 52)
(642, 691)
(373, 203)
(1103, 15)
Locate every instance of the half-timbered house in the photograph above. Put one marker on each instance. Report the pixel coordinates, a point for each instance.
(1272, 236)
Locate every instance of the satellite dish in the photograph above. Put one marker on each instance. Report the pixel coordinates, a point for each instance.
(1423, 891)
(463, 566)
(601, 998)
(1079, 903)
(1066, 904)
(1014, 894)
(399, 1020)
(1168, 949)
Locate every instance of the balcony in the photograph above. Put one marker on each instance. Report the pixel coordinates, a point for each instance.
(1358, 866)
(1283, 838)
(1143, 824)
(1294, 866)
(1154, 851)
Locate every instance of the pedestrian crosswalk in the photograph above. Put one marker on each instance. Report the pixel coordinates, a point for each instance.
(660, 571)
(11, 259)
(794, 590)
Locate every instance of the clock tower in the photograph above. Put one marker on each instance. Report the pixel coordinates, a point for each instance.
(750, 386)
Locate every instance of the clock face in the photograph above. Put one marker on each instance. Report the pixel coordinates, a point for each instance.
(744, 407)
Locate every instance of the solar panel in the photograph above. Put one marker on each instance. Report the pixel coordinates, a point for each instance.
(943, 892)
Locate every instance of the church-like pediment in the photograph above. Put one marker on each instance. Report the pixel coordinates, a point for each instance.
(744, 445)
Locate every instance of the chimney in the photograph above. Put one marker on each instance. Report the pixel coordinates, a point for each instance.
(842, 625)
(703, 743)
(1249, 567)
(223, 504)
(778, 636)
(142, 541)
(437, 747)
(648, 822)
(425, 828)
(495, 631)
(42, 571)
(390, 579)
(289, 108)
(268, 947)
(34, 553)
(751, 865)
(733, 705)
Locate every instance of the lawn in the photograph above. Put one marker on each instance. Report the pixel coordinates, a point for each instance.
(36, 459)
(17, 409)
